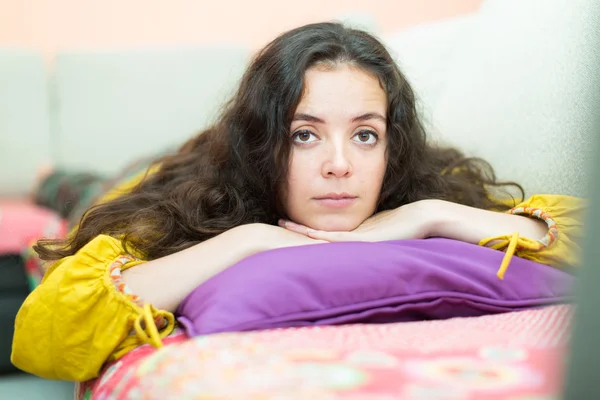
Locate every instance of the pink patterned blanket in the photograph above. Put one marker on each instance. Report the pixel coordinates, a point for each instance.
(516, 355)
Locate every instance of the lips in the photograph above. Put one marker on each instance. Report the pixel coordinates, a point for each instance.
(336, 196)
(336, 200)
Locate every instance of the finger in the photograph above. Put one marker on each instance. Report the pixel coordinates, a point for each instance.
(330, 236)
(294, 227)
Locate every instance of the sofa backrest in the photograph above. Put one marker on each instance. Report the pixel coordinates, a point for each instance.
(521, 92)
(114, 107)
(25, 140)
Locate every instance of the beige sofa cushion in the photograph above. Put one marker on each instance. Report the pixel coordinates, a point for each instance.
(114, 107)
(423, 53)
(522, 92)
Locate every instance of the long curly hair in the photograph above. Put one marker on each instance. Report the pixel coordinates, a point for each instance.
(231, 174)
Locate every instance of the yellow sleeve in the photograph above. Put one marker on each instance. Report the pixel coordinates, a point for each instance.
(82, 315)
(560, 247)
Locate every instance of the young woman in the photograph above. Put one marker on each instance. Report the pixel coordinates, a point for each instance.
(321, 142)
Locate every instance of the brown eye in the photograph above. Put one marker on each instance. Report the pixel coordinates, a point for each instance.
(304, 137)
(366, 137)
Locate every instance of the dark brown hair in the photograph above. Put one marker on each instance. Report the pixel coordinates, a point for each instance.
(231, 174)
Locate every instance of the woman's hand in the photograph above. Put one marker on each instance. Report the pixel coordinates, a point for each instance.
(432, 218)
(262, 237)
(412, 221)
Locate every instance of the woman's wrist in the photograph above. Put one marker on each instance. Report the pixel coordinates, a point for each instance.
(468, 224)
(435, 216)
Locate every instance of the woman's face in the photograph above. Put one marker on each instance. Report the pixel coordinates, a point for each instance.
(338, 156)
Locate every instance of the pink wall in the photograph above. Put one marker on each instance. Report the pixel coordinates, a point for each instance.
(53, 25)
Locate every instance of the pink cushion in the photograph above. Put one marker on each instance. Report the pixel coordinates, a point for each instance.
(21, 222)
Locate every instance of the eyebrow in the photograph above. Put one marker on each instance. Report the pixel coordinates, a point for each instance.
(360, 118)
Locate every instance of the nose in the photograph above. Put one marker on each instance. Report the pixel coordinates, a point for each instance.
(336, 163)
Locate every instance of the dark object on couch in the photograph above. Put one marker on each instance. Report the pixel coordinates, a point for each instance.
(13, 291)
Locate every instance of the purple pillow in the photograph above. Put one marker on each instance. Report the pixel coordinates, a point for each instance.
(360, 282)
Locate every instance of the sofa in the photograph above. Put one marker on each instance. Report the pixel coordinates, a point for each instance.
(515, 83)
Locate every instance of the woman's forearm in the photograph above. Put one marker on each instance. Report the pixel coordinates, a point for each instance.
(165, 282)
(468, 224)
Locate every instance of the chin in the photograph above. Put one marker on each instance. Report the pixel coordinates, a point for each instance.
(336, 223)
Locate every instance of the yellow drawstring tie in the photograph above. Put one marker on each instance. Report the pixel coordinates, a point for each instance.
(510, 251)
(149, 333)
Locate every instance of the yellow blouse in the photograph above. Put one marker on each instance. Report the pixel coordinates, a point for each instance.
(83, 315)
